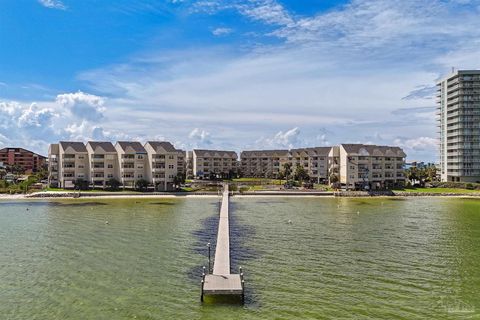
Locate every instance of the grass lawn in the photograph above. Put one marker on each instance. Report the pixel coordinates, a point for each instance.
(439, 190)
(94, 190)
(261, 180)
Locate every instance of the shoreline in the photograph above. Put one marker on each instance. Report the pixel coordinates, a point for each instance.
(278, 194)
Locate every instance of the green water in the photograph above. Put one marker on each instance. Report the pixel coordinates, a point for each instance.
(417, 258)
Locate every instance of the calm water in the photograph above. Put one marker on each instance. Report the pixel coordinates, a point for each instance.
(338, 259)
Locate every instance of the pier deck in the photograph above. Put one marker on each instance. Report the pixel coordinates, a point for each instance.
(221, 281)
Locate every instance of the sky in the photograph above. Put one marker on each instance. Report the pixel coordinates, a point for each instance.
(231, 74)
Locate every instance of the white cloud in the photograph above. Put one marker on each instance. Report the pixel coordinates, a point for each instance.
(268, 11)
(53, 4)
(286, 140)
(419, 144)
(221, 31)
(83, 105)
(200, 137)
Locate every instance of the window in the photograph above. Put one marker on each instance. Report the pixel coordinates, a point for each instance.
(140, 156)
(171, 166)
(109, 175)
(110, 166)
(170, 157)
(140, 176)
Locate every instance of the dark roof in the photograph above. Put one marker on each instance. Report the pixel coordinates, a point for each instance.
(259, 153)
(167, 146)
(318, 151)
(371, 149)
(135, 145)
(201, 152)
(105, 145)
(77, 146)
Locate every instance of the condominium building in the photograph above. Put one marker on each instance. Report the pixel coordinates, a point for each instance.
(25, 160)
(458, 111)
(53, 168)
(132, 163)
(263, 163)
(164, 163)
(103, 163)
(189, 165)
(209, 164)
(157, 162)
(71, 161)
(369, 166)
(313, 160)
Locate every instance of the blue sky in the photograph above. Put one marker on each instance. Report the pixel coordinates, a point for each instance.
(236, 74)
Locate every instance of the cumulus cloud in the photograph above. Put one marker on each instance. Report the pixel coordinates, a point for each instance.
(53, 4)
(83, 105)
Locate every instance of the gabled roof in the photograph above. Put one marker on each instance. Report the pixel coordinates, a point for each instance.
(314, 151)
(373, 150)
(135, 145)
(215, 153)
(167, 146)
(264, 153)
(76, 146)
(105, 145)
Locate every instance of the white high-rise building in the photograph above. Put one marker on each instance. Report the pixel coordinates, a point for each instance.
(458, 111)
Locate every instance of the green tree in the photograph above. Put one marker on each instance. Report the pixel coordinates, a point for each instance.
(113, 184)
(333, 178)
(141, 185)
(301, 174)
(287, 170)
(413, 174)
(81, 184)
(178, 180)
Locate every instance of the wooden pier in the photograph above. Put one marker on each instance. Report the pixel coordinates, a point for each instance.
(221, 281)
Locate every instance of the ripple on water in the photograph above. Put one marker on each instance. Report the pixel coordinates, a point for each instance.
(408, 259)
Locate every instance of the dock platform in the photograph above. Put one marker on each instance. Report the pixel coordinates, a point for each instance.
(221, 281)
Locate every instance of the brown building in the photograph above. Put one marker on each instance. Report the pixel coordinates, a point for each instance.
(27, 160)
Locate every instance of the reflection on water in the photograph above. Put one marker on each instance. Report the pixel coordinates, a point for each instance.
(303, 258)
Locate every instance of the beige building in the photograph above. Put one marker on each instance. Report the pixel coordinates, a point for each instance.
(313, 160)
(53, 157)
(69, 162)
(209, 164)
(263, 163)
(189, 165)
(163, 164)
(103, 163)
(132, 162)
(370, 167)
(127, 162)
(458, 111)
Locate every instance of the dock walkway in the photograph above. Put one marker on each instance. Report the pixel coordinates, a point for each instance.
(221, 281)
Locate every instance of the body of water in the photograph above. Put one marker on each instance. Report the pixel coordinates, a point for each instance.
(303, 258)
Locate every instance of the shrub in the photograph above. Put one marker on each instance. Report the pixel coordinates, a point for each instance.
(141, 184)
(113, 184)
(81, 184)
